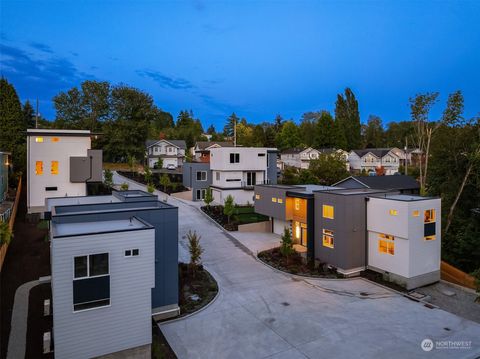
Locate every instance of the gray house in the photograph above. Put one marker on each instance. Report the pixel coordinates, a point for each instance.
(198, 177)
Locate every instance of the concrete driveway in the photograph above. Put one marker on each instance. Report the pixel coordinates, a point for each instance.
(262, 313)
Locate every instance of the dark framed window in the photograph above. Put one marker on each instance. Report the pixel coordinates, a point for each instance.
(132, 252)
(234, 157)
(201, 175)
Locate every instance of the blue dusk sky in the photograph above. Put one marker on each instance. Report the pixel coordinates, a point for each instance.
(254, 58)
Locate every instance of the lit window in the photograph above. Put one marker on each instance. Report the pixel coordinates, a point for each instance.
(429, 216)
(257, 196)
(416, 213)
(386, 244)
(327, 238)
(54, 168)
(297, 204)
(55, 139)
(430, 238)
(274, 199)
(39, 168)
(39, 139)
(393, 212)
(327, 211)
(280, 200)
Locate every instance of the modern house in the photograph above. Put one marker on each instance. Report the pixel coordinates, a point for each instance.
(404, 238)
(5, 207)
(198, 178)
(298, 157)
(114, 266)
(371, 159)
(236, 170)
(171, 153)
(60, 163)
(400, 183)
(201, 150)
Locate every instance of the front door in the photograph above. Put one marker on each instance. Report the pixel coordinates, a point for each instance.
(251, 178)
(303, 238)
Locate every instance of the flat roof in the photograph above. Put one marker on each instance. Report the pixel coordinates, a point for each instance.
(281, 186)
(134, 193)
(84, 228)
(58, 132)
(109, 207)
(404, 197)
(352, 191)
(310, 188)
(79, 200)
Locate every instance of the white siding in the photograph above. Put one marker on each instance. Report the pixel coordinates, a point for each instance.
(240, 196)
(126, 323)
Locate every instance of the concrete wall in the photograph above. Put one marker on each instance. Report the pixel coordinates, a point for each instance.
(126, 323)
(240, 196)
(265, 227)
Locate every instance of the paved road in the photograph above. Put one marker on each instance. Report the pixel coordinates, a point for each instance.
(261, 313)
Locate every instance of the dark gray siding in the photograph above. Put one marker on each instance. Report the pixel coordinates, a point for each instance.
(190, 170)
(265, 206)
(351, 183)
(272, 167)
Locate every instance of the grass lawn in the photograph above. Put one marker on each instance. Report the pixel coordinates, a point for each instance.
(244, 218)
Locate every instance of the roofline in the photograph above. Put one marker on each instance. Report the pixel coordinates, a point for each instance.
(63, 133)
(168, 142)
(363, 184)
(417, 198)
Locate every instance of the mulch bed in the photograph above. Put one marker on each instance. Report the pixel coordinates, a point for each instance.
(243, 215)
(296, 264)
(160, 347)
(37, 322)
(378, 278)
(140, 178)
(216, 213)
(27, 259)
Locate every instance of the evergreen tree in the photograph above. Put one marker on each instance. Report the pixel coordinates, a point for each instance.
(348, 118)
(28, 115)
(228, 130)
(324, 131)
(289, 136)
(211, 130)
(373, 133)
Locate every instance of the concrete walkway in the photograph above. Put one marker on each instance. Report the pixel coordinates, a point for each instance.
(263, 313)
(17, 340)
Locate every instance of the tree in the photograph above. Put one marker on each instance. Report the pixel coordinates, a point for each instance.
(348, 120)
(373, 133)
(289, 136)
(229, 207)
(132, 163)
(12, 125)
(195, 250)
(108, 178)
(148, 175)
(286, 244)
(28, 115)
(290, 175)
(307, 177)
(165, 182)
(159, 163)
(328, 168)
(208, 197)
(324, 131)
(229, 128)
(150, 188)
(211, 130)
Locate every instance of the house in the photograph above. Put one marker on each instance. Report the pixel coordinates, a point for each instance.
(400, 183)
(197, 176)
(370, 159)
(201, 150)
(236, 170)
(343, 155)
(404, 238)
(410, 156)
(341, 227)
(60, 163)
(171, 152)
(5, 206)
(298, 157)
(114, 261)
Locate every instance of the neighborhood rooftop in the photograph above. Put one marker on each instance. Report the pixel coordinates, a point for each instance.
(384, 182)
(179, 143)
(84, 228)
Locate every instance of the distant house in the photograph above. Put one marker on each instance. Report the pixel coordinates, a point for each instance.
(171, 152)
(411, 156)
(298, 157)
(5, 207)
(201, 150)
(402, 184)
(339, 152)
(371, 159)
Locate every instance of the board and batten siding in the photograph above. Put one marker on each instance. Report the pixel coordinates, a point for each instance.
(126, 323)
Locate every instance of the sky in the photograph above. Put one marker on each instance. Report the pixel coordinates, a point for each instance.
(255, 58)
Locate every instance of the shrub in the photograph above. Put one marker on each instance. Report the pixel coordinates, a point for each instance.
(208, 197)
(229, 207)
(150, 188)
(108, 178)
(165, 182)
(124, 186)
(286, 244)
(195, 250)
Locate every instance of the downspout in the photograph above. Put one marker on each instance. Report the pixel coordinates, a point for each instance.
(366, 232)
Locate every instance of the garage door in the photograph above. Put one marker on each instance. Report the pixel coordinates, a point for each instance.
(279, 225)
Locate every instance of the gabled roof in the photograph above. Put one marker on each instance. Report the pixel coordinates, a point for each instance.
(177, 143)
(378, 152)
(394, 182)
(203, 145)
(292, 151)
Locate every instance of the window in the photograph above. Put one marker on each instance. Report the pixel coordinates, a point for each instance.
(200, 194)
(217, 176)
(327, 238)
(39, 139)
(327, 211)
(257, 196)
(274, 199)
(201, 175)
(429, 216)
(54, 168)
(91, 281)
(280, 200)
(386, 244)
(261, 155)
(39, 168)
(393, 212)
(233, 179)
(132, 252)
(297, 204)
(234, 157)
(430, 238)
(416, 213)
(55, 139)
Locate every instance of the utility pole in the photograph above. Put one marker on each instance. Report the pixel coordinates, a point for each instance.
(406, 156)
(235, 133)
(36, 116)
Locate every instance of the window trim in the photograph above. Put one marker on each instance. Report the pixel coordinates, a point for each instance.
(201, 175)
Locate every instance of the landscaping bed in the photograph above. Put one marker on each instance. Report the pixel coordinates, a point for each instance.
(174, 187)
(242, 215)
(296, 264)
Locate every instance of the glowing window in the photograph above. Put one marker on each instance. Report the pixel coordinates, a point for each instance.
(327, 211)
(39, 139)
(430, 238)
(327, 238)
(429, 216)
(257, 196)
(280, 200)
(39, 168)
(274, 199)
(416, 213)
(297, 204)
(393, 212)
(54, 168)
(386, 244)
(55, 139)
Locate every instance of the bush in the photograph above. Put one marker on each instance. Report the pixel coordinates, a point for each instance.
(124, 186)
(6, 234)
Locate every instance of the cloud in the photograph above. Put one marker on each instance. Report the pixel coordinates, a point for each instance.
(166, 81)
(41, 47)
(199, 5)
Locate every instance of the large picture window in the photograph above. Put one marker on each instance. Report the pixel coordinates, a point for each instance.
(327, 211)
(91, 281)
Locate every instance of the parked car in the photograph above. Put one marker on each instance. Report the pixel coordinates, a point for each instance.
(171, 166)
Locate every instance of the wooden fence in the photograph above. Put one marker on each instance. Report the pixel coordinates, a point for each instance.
(4, 247)
(455, 275)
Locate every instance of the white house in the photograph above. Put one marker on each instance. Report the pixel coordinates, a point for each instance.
(299, 157)
(171, 152)
(404, 238)
(235, 171)
(103, 273)
(59, 164)
(372, 158)
(343, 155)
(201, 151)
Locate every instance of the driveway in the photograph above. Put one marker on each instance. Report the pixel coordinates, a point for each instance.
(262, 313)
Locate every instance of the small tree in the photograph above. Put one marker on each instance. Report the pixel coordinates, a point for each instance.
(208, 197)
(229, 207)
(150, 188)
(108, 178)
(286, 244)
(6, 234)
(148, 175)
(195, 250)
(132, 162)
(165, 182)
(124, 186)
(159, 163)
